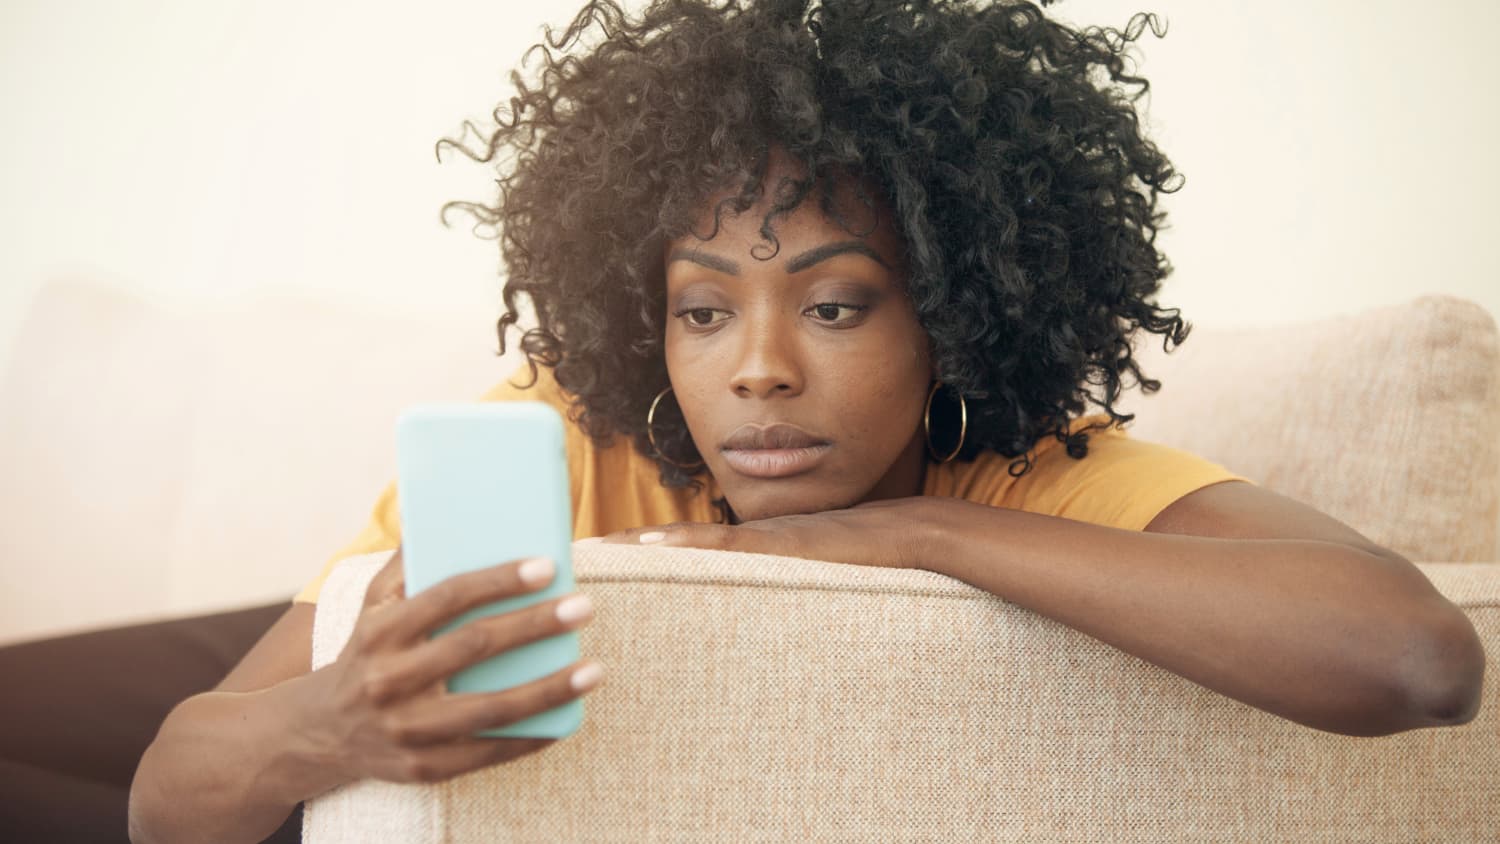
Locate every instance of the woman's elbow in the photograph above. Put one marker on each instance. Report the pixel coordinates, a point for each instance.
(1450, 681)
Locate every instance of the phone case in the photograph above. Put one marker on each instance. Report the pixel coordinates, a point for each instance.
(480, 484)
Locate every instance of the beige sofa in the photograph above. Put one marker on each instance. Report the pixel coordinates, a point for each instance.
(764, 698)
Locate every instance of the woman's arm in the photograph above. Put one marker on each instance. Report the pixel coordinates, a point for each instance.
(1239, 589)
(228, 767)
(231, 764)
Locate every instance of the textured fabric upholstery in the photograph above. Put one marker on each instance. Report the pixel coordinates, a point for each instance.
(750, 697)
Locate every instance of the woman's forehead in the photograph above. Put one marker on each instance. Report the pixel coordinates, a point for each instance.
(855, 210)
(738, 237)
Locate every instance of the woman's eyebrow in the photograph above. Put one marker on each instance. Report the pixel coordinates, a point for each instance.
(828, 250)
(794, 265)
(713, 262)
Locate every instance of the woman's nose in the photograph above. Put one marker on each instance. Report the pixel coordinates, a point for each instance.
(768, 363)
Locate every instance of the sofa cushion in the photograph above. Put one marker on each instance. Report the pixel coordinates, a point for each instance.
(1383, 419)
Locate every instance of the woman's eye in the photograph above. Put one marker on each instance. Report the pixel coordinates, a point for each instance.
(697, 317)
(829, 311)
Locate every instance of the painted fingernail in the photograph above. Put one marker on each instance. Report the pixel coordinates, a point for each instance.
(586, 676)
(652, 536)
(536, 571)
(574, 608)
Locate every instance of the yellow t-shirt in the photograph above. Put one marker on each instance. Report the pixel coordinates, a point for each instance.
(1122, 482)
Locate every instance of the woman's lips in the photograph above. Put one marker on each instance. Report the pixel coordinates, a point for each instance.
(775, 462)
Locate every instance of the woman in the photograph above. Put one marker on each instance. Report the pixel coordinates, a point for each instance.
(834, 282)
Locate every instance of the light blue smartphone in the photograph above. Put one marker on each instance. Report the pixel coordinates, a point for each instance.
(480, 484)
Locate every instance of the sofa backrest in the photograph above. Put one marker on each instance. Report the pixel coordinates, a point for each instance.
(754, 697)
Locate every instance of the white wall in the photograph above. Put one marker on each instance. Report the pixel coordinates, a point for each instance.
(1337, 154)
(211, 149)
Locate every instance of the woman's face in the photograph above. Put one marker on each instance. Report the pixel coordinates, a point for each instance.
(820, 337)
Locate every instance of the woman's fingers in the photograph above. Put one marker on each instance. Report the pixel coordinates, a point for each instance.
(419, 667)
(387, 689)
(414, 618)
(457, 717)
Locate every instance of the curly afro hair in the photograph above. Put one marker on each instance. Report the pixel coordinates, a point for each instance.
(1005, 144)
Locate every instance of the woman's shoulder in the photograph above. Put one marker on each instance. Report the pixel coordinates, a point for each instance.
(1113, 455)
(524, 383)
(519, 385)
(1121, 481)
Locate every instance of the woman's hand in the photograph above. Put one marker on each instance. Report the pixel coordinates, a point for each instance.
(386, 712)
(885, 533)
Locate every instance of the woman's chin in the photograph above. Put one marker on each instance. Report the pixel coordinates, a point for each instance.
(755, 500)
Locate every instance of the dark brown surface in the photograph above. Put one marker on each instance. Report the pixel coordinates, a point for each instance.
(77, 712)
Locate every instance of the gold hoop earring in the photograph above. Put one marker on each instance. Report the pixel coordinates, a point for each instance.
(963, 424)
(650, 420)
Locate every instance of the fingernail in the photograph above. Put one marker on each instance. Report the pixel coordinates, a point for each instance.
(652, 536)
(574, 608)
(536, 571)
(590, 541)
(586, 676)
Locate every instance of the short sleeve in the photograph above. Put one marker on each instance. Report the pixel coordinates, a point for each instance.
(383, 530)
(1122, 482)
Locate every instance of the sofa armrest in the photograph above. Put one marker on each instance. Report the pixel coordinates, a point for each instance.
(773, 697)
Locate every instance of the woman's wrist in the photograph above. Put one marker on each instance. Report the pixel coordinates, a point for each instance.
(230, 766)
(308, 758)
(927, 535)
